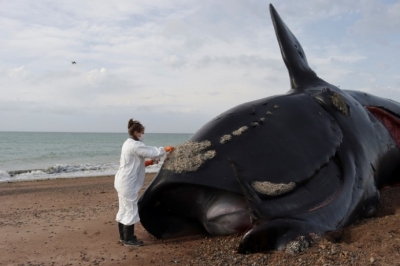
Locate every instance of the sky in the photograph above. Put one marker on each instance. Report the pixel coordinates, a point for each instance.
(175, 65)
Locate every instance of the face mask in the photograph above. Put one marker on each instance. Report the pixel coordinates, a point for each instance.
(141, 137)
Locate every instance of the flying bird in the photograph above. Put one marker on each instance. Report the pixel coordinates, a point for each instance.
(73, 62)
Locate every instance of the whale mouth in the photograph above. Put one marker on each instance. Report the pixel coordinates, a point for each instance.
(188, 210)
(164, 215)
(390, 121)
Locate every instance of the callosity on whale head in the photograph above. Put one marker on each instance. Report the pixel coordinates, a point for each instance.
(282, 168)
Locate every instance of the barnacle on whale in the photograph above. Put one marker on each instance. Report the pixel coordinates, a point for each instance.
(225, 138)
(271, 189)
(189, 156)
(339, 102)
(239, 131)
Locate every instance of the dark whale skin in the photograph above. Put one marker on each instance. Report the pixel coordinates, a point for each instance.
(336, 147)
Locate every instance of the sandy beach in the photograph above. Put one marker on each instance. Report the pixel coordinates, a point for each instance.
(71, 222)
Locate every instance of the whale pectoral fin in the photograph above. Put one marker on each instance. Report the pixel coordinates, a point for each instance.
(292, 53)
(276, 234)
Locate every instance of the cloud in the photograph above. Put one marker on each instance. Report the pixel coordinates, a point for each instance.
(377, 19)
(174, 61)
(178, 61)
(241, 61)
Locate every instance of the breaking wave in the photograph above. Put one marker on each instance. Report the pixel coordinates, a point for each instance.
(67, 171)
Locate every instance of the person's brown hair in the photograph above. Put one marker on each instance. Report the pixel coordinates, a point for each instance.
(134, 125)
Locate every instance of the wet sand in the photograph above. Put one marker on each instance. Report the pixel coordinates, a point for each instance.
(71, 222)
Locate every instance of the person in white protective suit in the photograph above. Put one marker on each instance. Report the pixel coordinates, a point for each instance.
(130, 177)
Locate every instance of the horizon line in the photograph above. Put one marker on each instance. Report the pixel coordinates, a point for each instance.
(16, 131)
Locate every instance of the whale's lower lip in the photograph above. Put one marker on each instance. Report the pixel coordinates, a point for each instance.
(187, 210)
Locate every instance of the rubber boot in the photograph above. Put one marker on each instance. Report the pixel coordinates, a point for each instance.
(121, 232)
(133, 231)
(129, 238)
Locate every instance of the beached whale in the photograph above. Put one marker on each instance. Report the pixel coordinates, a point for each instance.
(280, 169)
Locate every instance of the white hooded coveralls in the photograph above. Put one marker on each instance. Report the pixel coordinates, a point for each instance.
(130, 177)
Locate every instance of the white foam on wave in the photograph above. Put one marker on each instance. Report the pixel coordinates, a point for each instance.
(4, 175)
(67, 171)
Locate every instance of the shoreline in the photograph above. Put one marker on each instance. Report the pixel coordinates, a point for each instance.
(71, 221)
(66, 171)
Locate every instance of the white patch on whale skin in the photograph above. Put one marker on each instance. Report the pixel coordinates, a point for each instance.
(255, 124)
(239, 131)
(340, 103)
(272, 189)
(189, 156)
(225, 138)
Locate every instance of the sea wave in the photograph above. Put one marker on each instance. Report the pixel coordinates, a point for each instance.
(67, 171)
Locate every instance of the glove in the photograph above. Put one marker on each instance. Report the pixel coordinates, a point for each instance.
(169, 148)
(148, 162)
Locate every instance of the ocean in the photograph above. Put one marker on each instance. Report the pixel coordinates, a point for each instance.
(47, 155)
